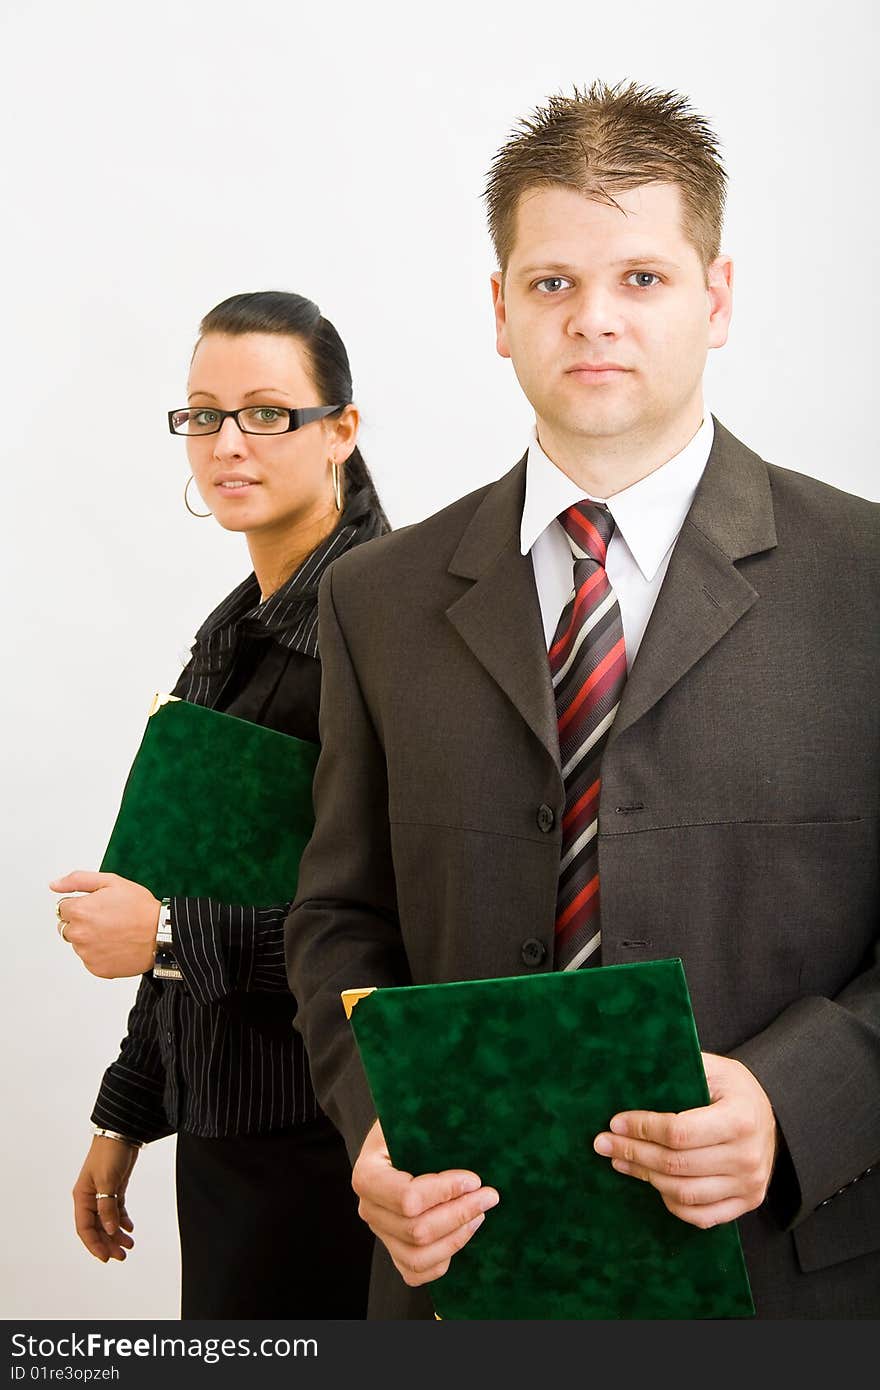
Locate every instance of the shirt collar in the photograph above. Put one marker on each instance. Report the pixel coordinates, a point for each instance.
(648, 515)
(244, 603)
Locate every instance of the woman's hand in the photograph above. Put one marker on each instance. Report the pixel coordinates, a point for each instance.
(113, 928)
(102, 1223)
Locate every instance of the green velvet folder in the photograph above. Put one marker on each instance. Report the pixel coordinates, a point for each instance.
(214, 807)
(514, 1078)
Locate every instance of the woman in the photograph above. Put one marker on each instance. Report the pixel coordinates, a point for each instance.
(268, 1220)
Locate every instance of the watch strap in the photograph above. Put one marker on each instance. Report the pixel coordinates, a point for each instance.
(165, 929)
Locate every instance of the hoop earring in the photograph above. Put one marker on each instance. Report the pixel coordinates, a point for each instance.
(337, 484)
(186, 501)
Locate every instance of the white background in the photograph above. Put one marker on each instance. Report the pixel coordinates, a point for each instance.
(160, 158)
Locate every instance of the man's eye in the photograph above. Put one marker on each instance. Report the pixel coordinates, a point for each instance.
(643, 279)
(552, 284)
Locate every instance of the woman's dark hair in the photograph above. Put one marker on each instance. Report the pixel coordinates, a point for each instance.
(275, 311)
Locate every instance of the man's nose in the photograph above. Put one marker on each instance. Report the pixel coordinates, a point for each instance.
(594, 313)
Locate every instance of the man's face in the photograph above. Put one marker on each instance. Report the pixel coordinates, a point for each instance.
(607, 317)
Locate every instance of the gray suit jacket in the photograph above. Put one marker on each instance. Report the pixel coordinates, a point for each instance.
(737, 827)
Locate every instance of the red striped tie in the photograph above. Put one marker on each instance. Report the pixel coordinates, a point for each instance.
(588, 666)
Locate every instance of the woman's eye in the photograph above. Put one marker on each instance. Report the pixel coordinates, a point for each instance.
(266, 414)
(644, 279)
(205, 417)
(552, 284)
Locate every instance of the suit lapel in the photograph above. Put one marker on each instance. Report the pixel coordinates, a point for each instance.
(703, 594)
(702, 597)
(499, 617)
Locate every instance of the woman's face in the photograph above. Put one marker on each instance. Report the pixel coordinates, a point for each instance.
(257, 483)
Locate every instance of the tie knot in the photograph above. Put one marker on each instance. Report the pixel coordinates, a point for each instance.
(589, 527)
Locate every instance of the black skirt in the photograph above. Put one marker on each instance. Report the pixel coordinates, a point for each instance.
(269, 1226)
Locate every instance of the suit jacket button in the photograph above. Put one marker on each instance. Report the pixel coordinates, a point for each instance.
(533, 951)
(546, 819)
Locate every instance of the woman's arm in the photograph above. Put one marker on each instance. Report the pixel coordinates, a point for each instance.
(221, 948)
(129, 1106)
(218, 947)
(131, 1098)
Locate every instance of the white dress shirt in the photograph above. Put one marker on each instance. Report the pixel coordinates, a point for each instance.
(648, 517)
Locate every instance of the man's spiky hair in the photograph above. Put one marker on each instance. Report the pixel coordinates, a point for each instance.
(603, 140)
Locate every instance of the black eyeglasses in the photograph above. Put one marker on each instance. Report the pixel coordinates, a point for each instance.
(251, 419)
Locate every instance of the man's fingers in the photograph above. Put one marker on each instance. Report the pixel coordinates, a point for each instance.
(718, 1123)
(423, 1221)
(427, 1276)
(422, 1264)
(432, 1189)
(716, 1214)
(693, 1163)
(682, 1192)
(377, 1182)
(426, 1228)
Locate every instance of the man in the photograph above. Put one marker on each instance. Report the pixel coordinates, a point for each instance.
(640, 669)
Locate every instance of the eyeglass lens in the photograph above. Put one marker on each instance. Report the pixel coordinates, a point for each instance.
(255, 419)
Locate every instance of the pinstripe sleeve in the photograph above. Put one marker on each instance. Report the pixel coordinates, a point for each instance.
(131, 1096)
(221, 948)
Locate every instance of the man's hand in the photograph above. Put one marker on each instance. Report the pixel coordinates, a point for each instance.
(102, 1223)
(113, 928)
(709, 1165)
(423, 1221)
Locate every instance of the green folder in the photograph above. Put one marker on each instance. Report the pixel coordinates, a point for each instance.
(214, 807)
(514, 1078)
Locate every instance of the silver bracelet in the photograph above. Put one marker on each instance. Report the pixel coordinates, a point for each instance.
(123, 1138)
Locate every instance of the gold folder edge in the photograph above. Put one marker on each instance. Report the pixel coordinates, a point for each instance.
(160, 700)
(351, 997)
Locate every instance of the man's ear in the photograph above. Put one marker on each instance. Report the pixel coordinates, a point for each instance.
(719, 279)
(496, 280)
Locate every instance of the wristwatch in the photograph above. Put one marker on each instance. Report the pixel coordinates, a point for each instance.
(165, 966)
